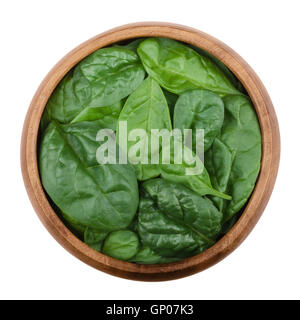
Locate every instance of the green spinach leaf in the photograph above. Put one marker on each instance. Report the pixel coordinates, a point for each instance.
(123, 244)
(178, 68)
(174, 221)
(107, 76)
(102, 197)
(146, 108)
(218, 161)
(63, 105)
(200, 109)
(233, 79)
(198, 182)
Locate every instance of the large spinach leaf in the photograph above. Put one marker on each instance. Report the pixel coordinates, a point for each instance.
(234, 159)
(178, 68)
(200, 109)
(123, 244)
(146, 108)
(107, 76)
(102, 197)
(174, 221)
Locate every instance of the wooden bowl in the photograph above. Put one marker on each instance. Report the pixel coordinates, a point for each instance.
(259, 197)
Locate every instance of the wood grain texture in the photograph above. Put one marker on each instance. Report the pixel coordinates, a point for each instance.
(256, 204)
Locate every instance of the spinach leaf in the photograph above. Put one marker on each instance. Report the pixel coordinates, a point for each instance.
(234, 160)
(63, 104)
(94, 238)
(233, 79)
(146, 108)
(178, 68)
(123, 244)
(218, 161)
(102, 197)
(107, 76)
(174, 221)
(198, 182)
(64, 107)
(200, 109)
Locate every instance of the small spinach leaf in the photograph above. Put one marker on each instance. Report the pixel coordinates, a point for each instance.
(123, 244)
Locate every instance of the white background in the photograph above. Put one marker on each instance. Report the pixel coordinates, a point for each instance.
(36, 34)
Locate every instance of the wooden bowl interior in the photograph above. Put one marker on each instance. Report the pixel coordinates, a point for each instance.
(255, 205)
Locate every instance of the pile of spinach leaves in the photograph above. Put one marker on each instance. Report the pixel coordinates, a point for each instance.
(147, 213)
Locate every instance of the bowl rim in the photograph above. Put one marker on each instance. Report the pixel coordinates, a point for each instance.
(256, 204)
